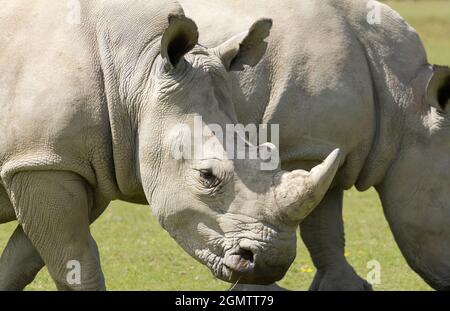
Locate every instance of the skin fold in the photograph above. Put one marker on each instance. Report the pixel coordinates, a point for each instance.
(332, 79)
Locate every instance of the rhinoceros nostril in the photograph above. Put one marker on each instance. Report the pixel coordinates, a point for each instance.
(242, 261)
(246, 255)
(246, 261)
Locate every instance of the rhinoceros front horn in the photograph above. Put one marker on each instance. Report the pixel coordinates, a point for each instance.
(298, 192)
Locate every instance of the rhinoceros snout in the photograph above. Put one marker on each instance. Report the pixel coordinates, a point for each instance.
(249, 268)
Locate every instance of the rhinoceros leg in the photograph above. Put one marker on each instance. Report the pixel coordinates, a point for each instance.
(53, 209)
(7, 213)
(20, 262)
(323, 234)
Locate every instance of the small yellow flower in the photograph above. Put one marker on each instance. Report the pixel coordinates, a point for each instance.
(306, 269)
(346, 254)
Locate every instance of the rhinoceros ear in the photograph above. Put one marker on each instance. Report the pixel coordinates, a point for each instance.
(180, 36)
(246, 48)
(438, 88)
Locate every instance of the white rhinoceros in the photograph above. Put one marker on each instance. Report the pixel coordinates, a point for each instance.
(90, 98)
(351, 75)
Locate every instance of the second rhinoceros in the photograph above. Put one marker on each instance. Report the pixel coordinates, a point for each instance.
(91, 99)
(353, 75)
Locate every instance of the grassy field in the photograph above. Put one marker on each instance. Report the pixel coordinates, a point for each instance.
(138, 255)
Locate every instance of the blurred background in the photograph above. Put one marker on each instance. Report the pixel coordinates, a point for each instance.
(138, 255)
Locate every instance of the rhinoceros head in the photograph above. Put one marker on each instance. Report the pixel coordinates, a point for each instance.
(231, 214)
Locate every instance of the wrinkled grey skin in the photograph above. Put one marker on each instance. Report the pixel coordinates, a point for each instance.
(332, 80)
(88, 114)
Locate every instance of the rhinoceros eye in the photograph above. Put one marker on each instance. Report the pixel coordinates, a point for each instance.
(208, 179)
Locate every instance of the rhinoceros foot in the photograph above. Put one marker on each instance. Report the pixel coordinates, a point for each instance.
(339, 279)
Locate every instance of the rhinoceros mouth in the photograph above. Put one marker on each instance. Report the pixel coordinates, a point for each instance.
(227, 267)
(235, 257)
(231, 269)
(241, 261)
(217, 265)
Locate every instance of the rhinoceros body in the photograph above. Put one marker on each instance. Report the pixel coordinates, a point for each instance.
(351, 75)
(96, 97)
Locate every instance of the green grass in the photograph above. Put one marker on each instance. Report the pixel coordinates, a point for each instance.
(138, 255)
(431, 19)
